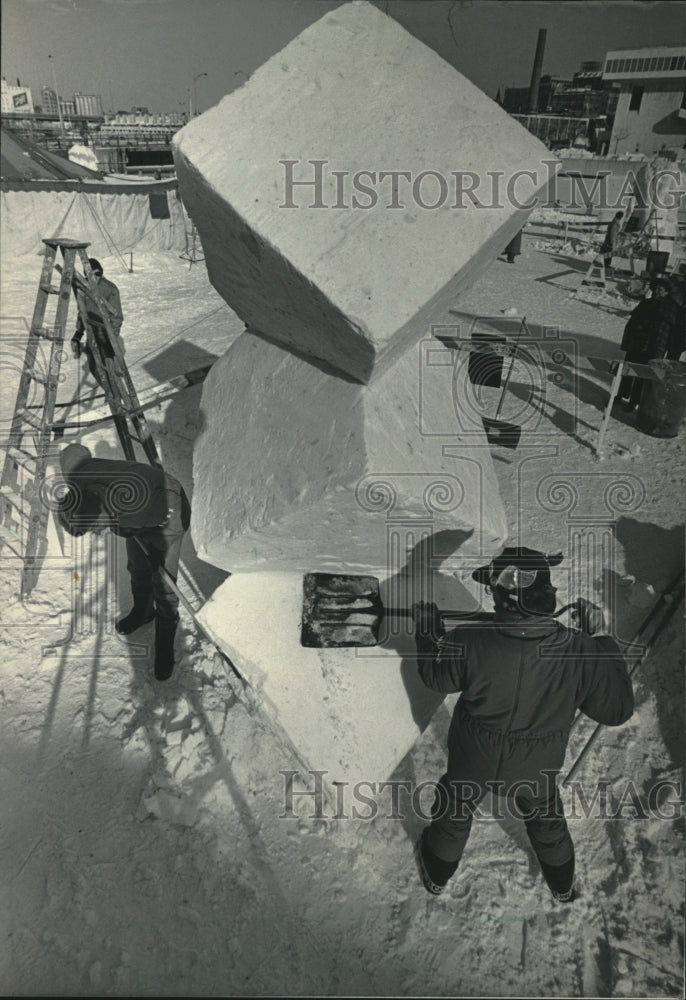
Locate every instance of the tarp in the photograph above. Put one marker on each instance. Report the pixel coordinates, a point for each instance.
(120, 221)
(44, 194)
(24, 161)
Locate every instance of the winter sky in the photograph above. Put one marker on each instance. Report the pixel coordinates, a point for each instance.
(152, 52)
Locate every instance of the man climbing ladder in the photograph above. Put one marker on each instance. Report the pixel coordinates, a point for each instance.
(109, 305)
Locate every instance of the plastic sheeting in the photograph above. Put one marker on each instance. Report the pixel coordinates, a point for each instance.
(121, 222)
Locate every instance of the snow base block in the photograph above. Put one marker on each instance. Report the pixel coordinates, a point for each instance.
(351, 713)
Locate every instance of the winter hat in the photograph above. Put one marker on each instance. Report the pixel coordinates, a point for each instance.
(518, 568)
(95, 264)
(72, 456)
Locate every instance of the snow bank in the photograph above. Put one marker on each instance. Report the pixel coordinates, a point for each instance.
(298, 248)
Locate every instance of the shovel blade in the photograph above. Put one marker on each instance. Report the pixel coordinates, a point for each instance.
(340, 610)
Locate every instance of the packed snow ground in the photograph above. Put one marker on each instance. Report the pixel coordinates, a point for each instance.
(143, 847)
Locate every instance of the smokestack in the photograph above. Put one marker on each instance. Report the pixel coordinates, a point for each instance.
(536, 71)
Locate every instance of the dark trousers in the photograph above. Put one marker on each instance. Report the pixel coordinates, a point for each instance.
(102, 339)
(631, 386)
(91, 364)
(540, 808)
(162, 550)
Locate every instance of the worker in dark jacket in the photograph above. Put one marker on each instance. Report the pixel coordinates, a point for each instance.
(654, 330)
(90, 318)
(609, 244)
(514, 247)
(147, 507)
(522, 677)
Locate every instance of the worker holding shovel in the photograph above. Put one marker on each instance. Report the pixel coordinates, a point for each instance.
(522, 676)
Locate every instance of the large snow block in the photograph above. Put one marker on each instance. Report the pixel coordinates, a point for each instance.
(297, 470)
(351, 713)
(274, 179)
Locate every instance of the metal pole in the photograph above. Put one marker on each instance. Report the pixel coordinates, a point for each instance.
(194, 103)
(57, 96)
(614, 389)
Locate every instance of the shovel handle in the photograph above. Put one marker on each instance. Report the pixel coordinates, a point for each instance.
(476, 616)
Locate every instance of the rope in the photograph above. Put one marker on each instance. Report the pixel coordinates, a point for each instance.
(108, 238)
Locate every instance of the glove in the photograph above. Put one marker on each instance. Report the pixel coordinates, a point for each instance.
(427, 620)
(588, 617)
(76, 347)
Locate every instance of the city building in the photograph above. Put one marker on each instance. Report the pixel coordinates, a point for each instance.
(15, 100)
(48, 99)
(132, 126)
(88, 105)
(516, 99)
(651, 108)
(67, 108)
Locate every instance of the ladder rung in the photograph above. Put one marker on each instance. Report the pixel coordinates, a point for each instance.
(9, 537)
(20, 456)
(40, 379)
(45, 333)
(19, 502)
(34, 421)
(50, 289)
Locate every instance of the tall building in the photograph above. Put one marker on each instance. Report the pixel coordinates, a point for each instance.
(89, 105)
(651, 108)
(48, 99)
(15, 100)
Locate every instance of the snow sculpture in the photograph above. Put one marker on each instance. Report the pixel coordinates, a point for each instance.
(299, 470)
(274, 178)
(338, 434)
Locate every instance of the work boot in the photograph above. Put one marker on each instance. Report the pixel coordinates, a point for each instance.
(435, 873)
(560, 880)
(142, 612)
(165, 630)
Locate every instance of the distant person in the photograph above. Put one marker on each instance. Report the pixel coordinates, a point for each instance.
(142, 503)
(655, 329)
(111, 302)
(609, 244)
(522, 678)
(514, 247)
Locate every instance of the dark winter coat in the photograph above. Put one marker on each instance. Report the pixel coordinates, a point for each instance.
(111, 302)
(521, 684)
(129, 497)
(611, 236)
(655, 329)
(514, 247)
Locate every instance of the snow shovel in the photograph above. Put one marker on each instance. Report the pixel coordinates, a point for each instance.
(340, 610)
(502, 432)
